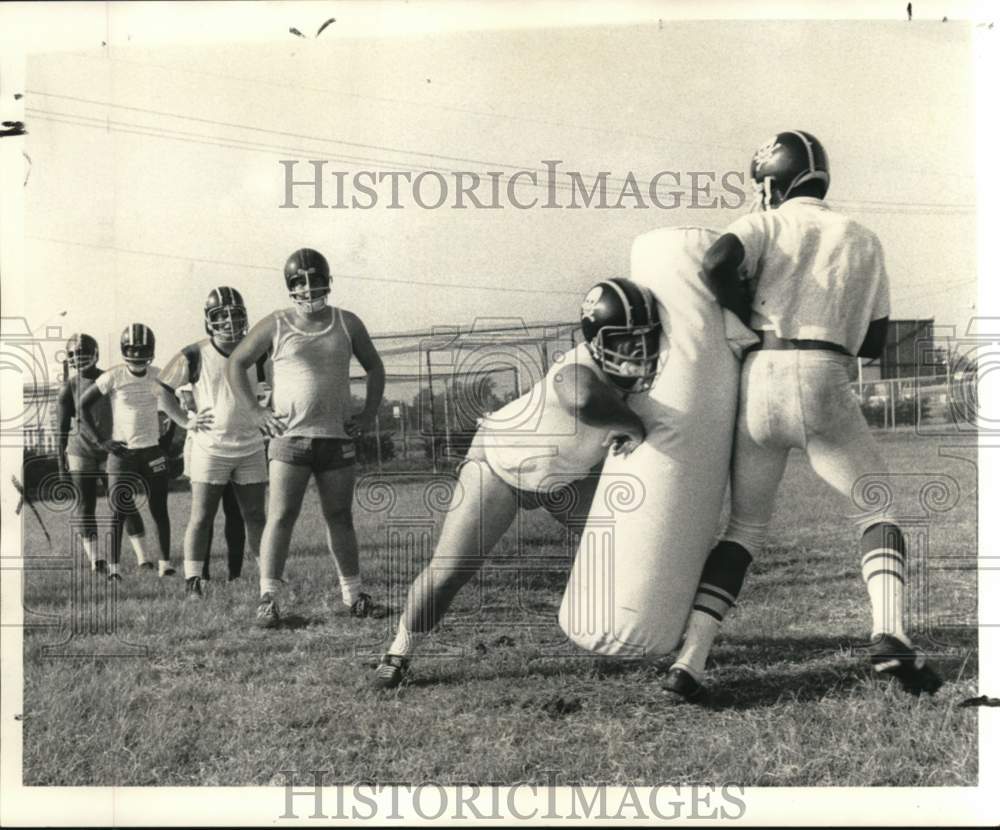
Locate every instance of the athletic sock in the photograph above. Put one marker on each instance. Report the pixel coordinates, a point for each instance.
(883, 567)
(192, 567)
(140, 549)
(406, 641)
(270, 586)
(350, 589)
(721, 582)
(164, 566)
(90, 548)
(112, 568)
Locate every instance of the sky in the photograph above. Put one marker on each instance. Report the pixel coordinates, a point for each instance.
(155, 172)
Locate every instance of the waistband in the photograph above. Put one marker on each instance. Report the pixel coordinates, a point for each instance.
(770, 341)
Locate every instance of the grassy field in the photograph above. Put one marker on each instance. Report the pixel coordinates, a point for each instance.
(213, 701)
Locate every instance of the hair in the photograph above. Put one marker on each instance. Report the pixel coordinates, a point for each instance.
(814, 188)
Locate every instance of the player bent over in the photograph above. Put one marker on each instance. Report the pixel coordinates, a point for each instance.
(231, 451)
(81, 454)
(311, 345)
(136, 395)
(812, 284)
(583, 413)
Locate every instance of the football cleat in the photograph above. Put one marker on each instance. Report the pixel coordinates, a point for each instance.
(193, 589)
(682, 685)
(267, 612)
(115, 577)
(146, 566)
(100, 567)
(364, 606)
(168, 570)
(621, 327)
(390, 672)
(891, 657)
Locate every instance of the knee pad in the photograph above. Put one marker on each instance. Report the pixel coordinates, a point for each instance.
(750, 536)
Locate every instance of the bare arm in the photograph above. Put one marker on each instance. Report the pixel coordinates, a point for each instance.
(66, 410)
(87, 401)
(583, 395)
(364, 350)
(256, 343)
(169, 404)
(721, 266)
(874, 342)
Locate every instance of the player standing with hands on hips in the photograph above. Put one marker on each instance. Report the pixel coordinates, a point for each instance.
(311, 345)
(812, 284)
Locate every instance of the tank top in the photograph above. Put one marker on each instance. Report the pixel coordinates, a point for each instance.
(78, 444)
(311, 386)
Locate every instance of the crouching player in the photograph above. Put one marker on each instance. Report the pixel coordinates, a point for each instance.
(821, 299)
(82, 455)
(583, 414)
(232, 450)
(137, 395)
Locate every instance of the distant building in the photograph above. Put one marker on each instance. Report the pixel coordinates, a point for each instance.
(911, 351)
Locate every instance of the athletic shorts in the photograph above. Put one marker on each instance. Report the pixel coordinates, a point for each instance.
(318, 454)
(148, 461)
(205, 468)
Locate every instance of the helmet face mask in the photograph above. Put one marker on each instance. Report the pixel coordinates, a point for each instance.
(226, 318)
(81, 352)
(622, 329)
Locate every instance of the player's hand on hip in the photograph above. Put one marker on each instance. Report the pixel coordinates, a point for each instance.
(623, 441)
(359, 424)
(272, 425)
(114, 447)
(200, 421)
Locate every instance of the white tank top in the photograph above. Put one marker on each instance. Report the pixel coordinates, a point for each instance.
(312, 382)
(534, 437)
(232, 433)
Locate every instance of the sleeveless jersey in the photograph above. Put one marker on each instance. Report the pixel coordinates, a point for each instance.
(100, 413)
(311, 383)
(533, 437)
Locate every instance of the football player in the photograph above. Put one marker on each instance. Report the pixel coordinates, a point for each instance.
(555, 466)
(81, 454)
(812, 283)
(310, 421)
(232, 450)
(136, 395)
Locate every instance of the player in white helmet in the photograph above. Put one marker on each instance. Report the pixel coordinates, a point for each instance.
(232, 450)
(136, 460)
(555, 464)
(812, 284)
(312, 427)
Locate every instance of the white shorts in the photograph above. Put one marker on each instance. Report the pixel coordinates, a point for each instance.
(205, 468)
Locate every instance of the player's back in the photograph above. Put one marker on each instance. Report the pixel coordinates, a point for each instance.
(817, 274)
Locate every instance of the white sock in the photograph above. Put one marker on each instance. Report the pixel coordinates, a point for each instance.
(192, 567)
(350, 589)
(701, 632)
(112, 568)
(270, 586)
(139, 547)
(164, 565)
(406, 641)
(90, 548)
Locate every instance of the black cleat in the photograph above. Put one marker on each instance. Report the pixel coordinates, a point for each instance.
(391, 671)
(193, 589)
(682, 685)
(169, 570)
(115, 577)
(891, 657)
(364, 606)
(267, 612)
(100, 567)
(147, 566)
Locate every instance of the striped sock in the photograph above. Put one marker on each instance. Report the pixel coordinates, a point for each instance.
(721, 581)
(883, 567)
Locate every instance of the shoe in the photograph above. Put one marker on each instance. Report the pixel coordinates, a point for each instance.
(193, 589)
(146, 566)
(114, 577)
(681, 684)
(169, 570)
(100, 567)
(391, 671)
(891, 657)
(363, 606)
(267, 612)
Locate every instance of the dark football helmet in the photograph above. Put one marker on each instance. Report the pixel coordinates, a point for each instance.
(783, 163)
(81, 352)
(138, 346)
(307, 277)
(226, 315)
(621, 327)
